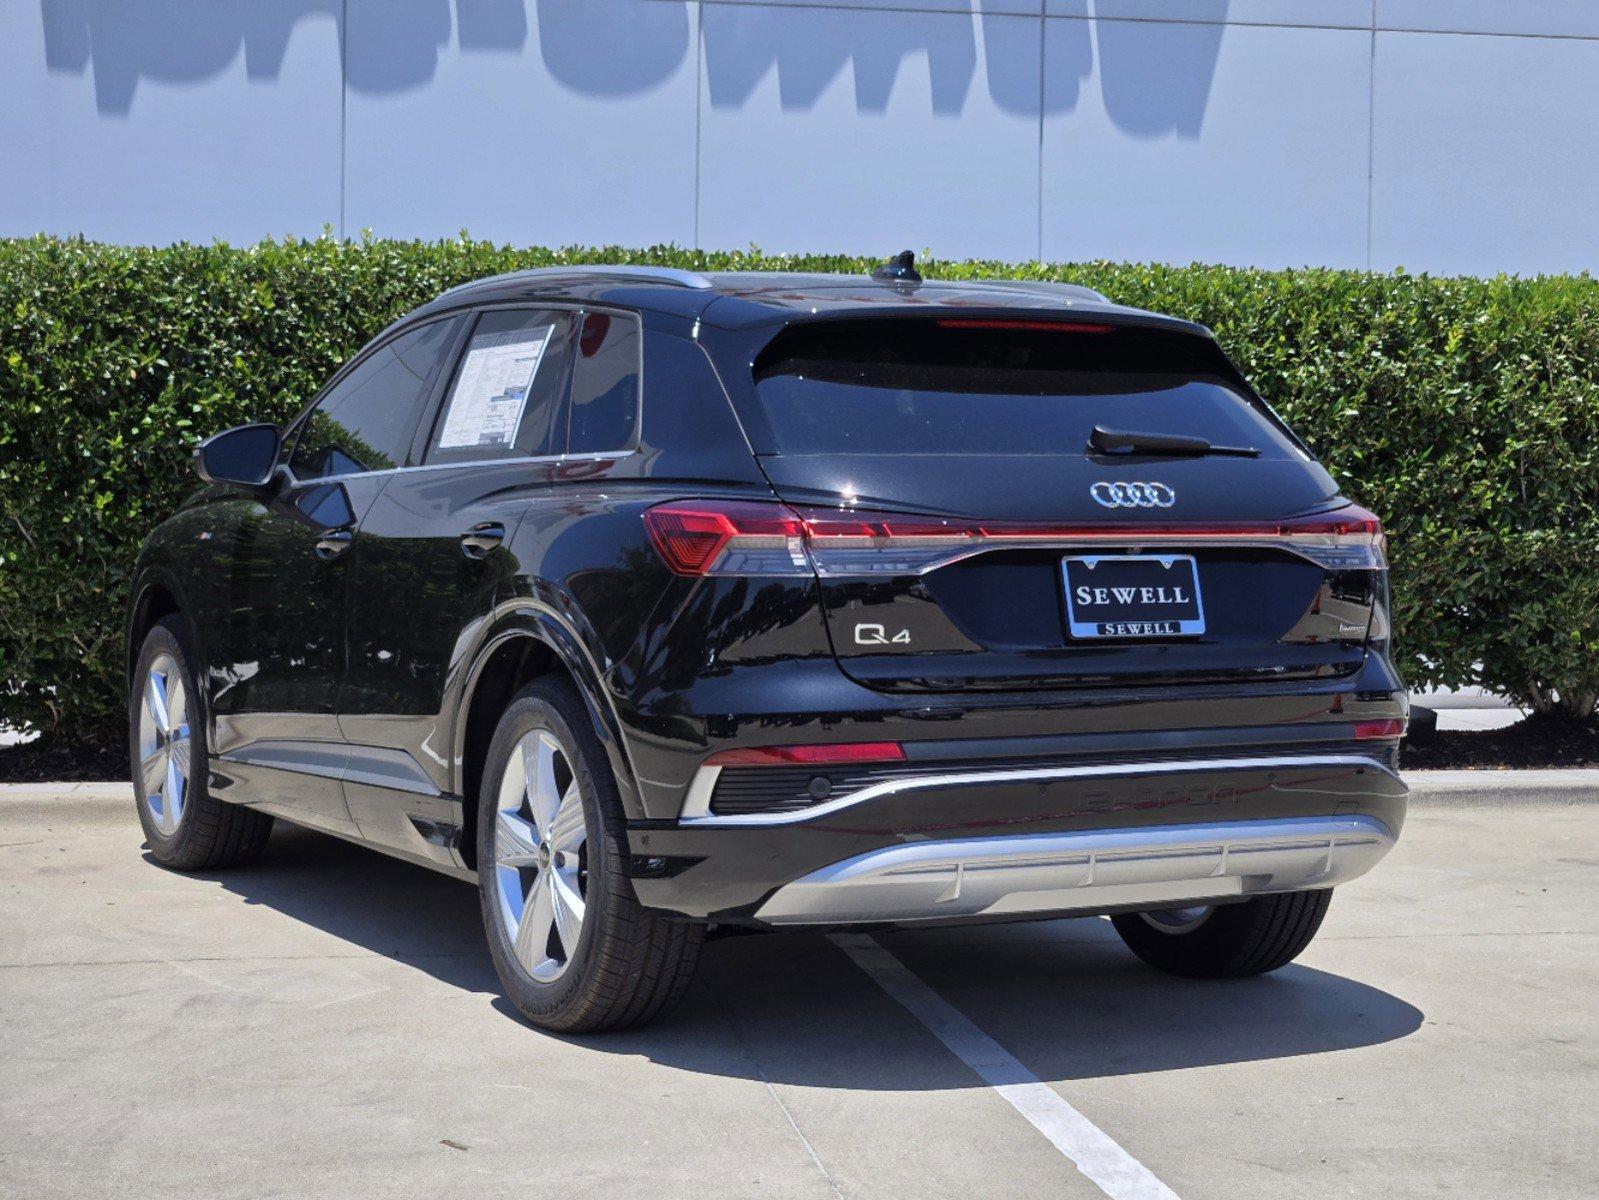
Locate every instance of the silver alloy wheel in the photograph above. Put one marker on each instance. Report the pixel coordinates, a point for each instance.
(1179, 920)
(164, 743)
(540, 865)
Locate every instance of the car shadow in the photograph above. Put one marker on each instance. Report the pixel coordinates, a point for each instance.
(403, 912)
(1065, 996)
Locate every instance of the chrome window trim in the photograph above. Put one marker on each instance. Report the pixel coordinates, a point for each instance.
(700, 790)
(480, 462)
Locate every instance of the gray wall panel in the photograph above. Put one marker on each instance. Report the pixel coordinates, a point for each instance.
(1486, 154)
(1158, 143)
(570, 121)
(1538, 18)
(163, 121)
(870, 131)
(1444, 135)
(1027, 7)
(1352, 14)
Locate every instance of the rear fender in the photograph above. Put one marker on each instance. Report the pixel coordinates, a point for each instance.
(526, 618)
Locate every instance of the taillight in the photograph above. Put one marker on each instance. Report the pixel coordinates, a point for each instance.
(1348, 538)
(791, 756)
(1379, 730)
(736, 537)
(727, 537)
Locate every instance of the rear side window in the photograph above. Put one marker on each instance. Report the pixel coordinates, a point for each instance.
(507, 388)
(996, 387)
(605, 370)
(365, 421)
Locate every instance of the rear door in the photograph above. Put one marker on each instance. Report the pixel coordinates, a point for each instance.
(968, 535)
(432, 558)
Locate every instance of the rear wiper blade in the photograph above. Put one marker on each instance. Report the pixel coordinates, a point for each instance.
(1123, 441)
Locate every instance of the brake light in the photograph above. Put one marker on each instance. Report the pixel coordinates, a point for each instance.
(1375, 730)
(722, 537)
(789, 756)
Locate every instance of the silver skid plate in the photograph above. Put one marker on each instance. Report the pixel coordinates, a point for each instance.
(1083, 872)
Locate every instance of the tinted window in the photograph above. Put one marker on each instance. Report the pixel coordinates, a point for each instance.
(365, 422)
(326, 504)
(604, 411)
(936, 387)
(507, 388)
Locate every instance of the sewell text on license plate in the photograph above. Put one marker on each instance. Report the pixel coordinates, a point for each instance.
(1133, 596)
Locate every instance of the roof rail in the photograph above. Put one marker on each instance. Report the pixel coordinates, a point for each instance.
(674, 275)
(1067, 291)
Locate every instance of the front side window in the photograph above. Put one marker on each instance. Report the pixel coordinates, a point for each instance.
(604, 412)
(507, 388)
(365, 422)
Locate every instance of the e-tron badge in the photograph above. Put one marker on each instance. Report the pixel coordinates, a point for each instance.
(1133, 495)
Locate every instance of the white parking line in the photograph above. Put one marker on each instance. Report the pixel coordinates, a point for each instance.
(1112, 1169)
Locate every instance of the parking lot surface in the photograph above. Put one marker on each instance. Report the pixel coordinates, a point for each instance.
(325, 1023)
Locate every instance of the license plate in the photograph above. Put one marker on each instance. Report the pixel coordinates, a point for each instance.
(1133, 596)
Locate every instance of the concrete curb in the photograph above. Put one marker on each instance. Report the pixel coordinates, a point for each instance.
(1490, 789)
(66, 791)
(1480, 789)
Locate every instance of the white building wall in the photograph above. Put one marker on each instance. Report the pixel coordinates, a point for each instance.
(1457, 136)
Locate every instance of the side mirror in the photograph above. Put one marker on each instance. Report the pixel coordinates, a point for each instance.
(247, 454)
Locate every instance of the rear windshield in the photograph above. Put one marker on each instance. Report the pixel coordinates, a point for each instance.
(994, 387)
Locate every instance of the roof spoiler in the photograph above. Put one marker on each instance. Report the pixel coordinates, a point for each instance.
(1041, 287)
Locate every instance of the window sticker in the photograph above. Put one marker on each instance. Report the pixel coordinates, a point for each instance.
(489, 397)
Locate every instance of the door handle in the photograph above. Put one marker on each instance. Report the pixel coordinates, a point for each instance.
(477, 541)
(333, 542)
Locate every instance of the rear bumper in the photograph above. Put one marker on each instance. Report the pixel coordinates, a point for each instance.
(1082, 872)
(1037, 841)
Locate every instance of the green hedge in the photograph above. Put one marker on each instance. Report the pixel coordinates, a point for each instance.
(1464, 411)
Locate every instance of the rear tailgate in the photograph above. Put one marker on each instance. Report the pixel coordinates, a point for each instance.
(965, 535)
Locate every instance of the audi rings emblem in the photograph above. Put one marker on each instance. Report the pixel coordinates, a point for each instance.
(1133, 495)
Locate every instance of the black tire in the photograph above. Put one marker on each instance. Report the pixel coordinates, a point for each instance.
(1231, 941)
(631, 964)
(209, 833)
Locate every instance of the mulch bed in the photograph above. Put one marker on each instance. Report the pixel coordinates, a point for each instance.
(64, 760)
(1538, 741)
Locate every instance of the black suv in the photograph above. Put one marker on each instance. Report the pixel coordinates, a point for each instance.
(656, 602)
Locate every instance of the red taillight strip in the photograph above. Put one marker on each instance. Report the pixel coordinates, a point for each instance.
(701, 537)
(789, 756)
(1349, 522)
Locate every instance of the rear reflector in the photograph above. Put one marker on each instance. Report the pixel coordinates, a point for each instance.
(789, 756)
(1373, 730)
(740, 537)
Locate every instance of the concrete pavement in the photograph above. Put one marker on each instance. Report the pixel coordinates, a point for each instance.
(325, 1023)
